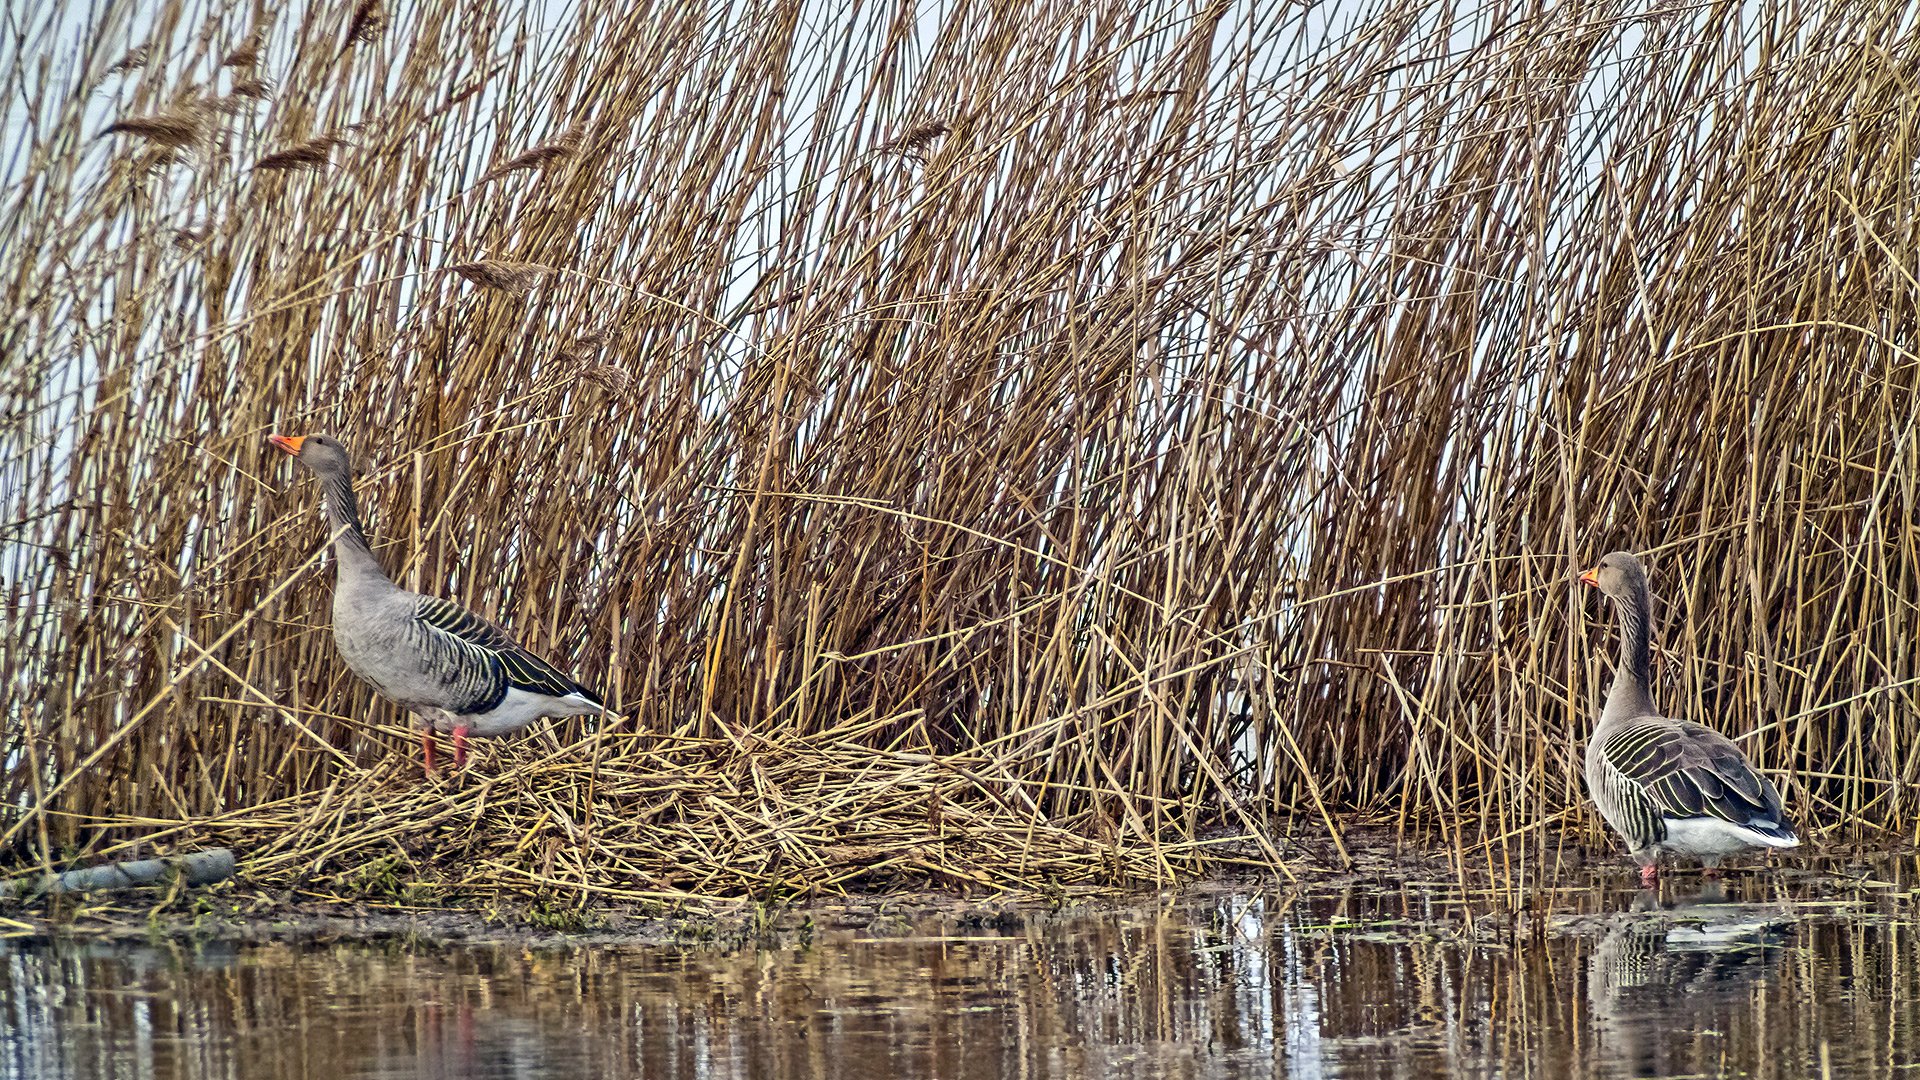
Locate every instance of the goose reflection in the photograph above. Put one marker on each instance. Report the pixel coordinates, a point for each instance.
(1667, 973)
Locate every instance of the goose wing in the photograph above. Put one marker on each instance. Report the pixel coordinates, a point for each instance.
(1680, 769)
(495, 662)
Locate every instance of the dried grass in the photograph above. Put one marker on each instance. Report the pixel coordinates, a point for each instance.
(673, 816)
(1206, 440)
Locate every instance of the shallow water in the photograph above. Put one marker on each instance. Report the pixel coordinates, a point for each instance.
(1773, 975)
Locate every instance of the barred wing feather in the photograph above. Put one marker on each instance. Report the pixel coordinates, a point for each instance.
(491, 644)
(1685, 770)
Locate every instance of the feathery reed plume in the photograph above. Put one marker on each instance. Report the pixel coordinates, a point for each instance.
(539, 157)
(246, 55)
(175, 128)
(915, 140)
(502, 275)
(153, 161)
(312, 154)
(260, 89)
(137, 58)
(585, 347)
(614, 380)
(367, 22)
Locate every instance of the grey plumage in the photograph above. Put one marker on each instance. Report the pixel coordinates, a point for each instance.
(1669, 786)
(453, 670)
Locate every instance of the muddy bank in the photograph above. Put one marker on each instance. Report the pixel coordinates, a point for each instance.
(390, 904)
(1480, 898)
(237, 916)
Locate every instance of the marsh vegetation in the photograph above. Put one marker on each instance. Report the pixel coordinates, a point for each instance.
(974, 444)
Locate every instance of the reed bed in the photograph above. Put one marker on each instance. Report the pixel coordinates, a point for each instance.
(977, 442)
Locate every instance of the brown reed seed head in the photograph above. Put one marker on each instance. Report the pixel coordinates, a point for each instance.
(137, 58)
(312, 154)
(247, 55)
(177, 128)
(539, 157)
(501, 275)
(613, 379)
(369, 18)
(915, 140)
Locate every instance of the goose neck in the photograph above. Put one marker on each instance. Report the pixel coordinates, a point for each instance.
(1630, 695)
(350, 548)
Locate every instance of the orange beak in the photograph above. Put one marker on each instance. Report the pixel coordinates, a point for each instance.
(1591, 577)
(289, 443)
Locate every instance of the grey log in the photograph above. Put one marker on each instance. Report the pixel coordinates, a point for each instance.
(199, 868)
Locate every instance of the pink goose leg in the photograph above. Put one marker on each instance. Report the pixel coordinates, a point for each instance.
(426, 749)
(459, 748)
(1649, 874)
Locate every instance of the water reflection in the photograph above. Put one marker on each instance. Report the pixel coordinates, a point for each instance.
(1761, 978)
(1665, 989)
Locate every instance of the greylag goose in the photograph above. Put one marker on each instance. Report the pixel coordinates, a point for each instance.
(453, 670)
(1669, 786)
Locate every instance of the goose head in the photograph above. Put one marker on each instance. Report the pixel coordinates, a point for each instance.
(321, 453)
(1619, 575)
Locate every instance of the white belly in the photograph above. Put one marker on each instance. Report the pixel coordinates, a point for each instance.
(515, 711)
(1711, 838)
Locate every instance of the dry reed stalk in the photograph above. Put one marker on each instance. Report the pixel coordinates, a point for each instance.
(1125, 474)
(675, 817)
